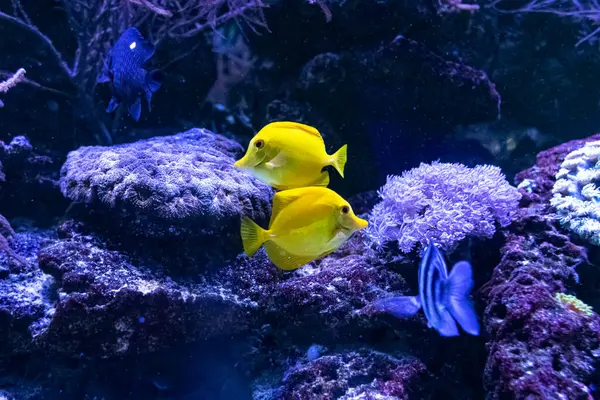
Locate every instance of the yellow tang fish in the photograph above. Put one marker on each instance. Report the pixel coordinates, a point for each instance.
(306, 224)
(288, 155)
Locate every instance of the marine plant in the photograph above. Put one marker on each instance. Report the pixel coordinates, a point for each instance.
(576, 197)
(441, 202)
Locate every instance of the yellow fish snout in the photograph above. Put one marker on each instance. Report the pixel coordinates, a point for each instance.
(360, 223)
(239, 163)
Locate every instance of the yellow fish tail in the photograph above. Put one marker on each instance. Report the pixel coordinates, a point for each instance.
(338, 159)
(253, 236)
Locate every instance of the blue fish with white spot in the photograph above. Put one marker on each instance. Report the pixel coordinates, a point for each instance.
(124, 67)
(444, 298)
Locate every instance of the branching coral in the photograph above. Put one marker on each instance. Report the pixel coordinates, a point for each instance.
(576, 197)
(579, 10)
(7, 230)
(11, 82)
(444, 203)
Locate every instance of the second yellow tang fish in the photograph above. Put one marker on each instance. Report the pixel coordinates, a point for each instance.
(306, 224)
(289, 155)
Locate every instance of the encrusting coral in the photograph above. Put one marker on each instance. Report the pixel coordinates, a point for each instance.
(442, 202)
(576, 196)
(162, 184)
(574, 304)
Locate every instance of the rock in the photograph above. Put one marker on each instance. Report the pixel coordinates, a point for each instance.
(110, 305)
(26, 295)
(360, 374)
(30, 175)
(538, 347)
(181, 189)
(429, 84)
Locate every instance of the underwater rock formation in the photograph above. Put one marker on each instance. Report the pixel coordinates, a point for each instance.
(361, 374)
(109, 305)
(30, 175)
(181, 189)
(26, 299)
(537, 346)
(166, 185)
(428, 82)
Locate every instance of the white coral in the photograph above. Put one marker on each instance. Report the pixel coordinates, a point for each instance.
(576, 196)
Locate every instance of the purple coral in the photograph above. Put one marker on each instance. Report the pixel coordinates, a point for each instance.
(444, 203)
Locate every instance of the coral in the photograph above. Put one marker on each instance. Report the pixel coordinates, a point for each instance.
(575, 9)
(576, 196)
(537, 347)
(574, 304)
(26, 302)
(441, 202)
(11, 82)
(167, 185)
(5, 231)
(361, 374)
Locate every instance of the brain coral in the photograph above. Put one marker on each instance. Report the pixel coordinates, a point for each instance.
(442, 202)
(576, 196)
(168, 181)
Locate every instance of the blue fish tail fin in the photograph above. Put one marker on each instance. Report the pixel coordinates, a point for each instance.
(459, 285)
(400, 307)
(112, 105)
(135, 110)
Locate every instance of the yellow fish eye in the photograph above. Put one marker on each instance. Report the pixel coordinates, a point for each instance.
(259, 144)
(345, 210)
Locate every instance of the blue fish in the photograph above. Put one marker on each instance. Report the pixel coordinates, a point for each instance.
(444, 298)
(125, 69)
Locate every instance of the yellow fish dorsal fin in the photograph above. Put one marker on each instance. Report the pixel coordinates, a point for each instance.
(298, 126)
(284, 198)
(283, 259)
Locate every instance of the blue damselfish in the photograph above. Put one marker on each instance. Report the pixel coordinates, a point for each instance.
(124, 67)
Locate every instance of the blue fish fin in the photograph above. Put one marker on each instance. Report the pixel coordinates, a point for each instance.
(446, 325)
(103, 77)
(152, 85)
(153, 80)
(400, 307)
(459, 284)
(106, 71)
(112, 105)
(135, 110)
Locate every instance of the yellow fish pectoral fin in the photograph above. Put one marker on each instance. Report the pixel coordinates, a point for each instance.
(323, 179)
(283, 259)
(276, 162)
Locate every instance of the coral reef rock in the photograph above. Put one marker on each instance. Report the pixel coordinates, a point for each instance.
(165, 185)
(110, 306)
(537, 346)
(362, 374)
